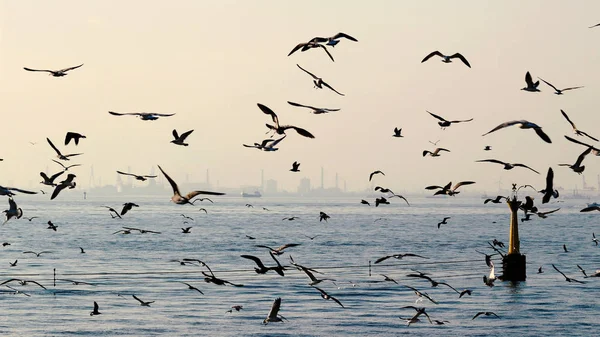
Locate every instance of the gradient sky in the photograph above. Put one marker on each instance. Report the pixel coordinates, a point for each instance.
(210, 62)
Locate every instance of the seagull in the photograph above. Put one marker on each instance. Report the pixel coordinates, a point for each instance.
(112, 210)
(374, 173)
(142, 303)
(531, 87)
(315, 111)
(465, 292)
(212, 278)
(447, 59)
(8, 191)
(13, 210)
(236, 308)
(333, 40)
(202, 199)
(145, 116)
(203, 209)
(73, 135)
(447, 190)
(137, 177)
(577, 167)
(319, 83)
(507, 166)
(273, 315)
(489, 280)
(540, 271)
(565, 248)
(596, 25)
(443, 222)
(127, 207)
(60, 155)
(435, 153)
(583, 271)
(95, 311)
(323, 216)
(485, 313)
(280, 129)
(311, 276)
(82, 250)
(388, 279)
(191, 287)
(495, 201)
(397, 132)
(421, 294)
(291, 218)
(399, 196)
(55, 73)
(22, 282)
(326, 296)
(364, 202)
(524, 125)
(13, 264)
(295, 166)
(186, 230)
(594, 240)
(498, 243)
(398, 257)
(50, 180)
(77, 283)
(36, 254)
(445, 123)
(308, 45)
(595, 151)
(267, 144)
(180, 139)
(381, 200)
(383, 189)
(311, 237)
(420, 311)
(558, 91)
(279, 250)
(568, 279)
(433, 282)
(178, 198)
(575, 130)
(64, 184)
(142, 231)
(65, 168)
(487, 148)
(52, 226)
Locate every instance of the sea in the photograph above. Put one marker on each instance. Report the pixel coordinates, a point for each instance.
(343, 248)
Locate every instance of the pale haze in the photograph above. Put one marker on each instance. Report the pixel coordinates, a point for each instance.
(211, 62)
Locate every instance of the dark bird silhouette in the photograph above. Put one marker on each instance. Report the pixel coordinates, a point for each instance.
(182, 200)
(465, 292)
(549, 191)
(435, 153)
(127, 207)
(262, 269)
(447, 59)
(236, 308)
(383, 189)
(531, 86)
(333, 40)
(59, 155)
(448, 189)
(52, 226)
(487, 148)
(364, 202)
(485, 313)
(191, 287)
(137, 177)
(374, 173)
(295, 167)
(556, 90)
(145, 116)
(582, 271)
(112, 210)
(594, 240)
(267, 145)
(142, 303)
(8, 191)
(433, 282)
(577, 167)
(279, 250)
(381, 201)
(186, 230)
(318, 82)
(398, 257)
(316, 111)
(575, 130)
(524, 125)
(323, 216)
(540, 271)
(326, 296)
(565, 248)
(443, 123)
(309, 45)
(496, 200)
(95, 311)
(55, 73)
(291, 218)
(82, 251)
(180, 139)
(74, 136)
(421, 294)
(280, 129)
(67, 183)
(23, 282)
(50, 180)
(37, 254)
(66, 168)
(443, 222)
(13, 264)
(568, 279)
(399, 196)
(397, 132)
(595, 151)
(507, 166)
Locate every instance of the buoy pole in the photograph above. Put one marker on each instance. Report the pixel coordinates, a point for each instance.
(514, 262)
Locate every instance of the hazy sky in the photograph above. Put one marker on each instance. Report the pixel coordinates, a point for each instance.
(210, 62)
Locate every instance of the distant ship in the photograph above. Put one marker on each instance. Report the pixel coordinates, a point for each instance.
(256, 194)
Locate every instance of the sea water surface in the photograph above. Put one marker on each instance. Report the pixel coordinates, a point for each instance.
(119, 265)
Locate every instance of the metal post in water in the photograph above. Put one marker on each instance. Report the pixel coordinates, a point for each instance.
(514, 262)
(369, 267)
(55, 277)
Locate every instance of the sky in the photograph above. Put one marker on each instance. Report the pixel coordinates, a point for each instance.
(211, 62)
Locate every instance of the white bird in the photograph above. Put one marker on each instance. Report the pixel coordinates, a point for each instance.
(13, 211)
(273, 315)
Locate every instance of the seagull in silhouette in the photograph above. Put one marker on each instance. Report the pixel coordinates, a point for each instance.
(292, 218)
(443, 222)
(112, 210)
(211, 278)
(50, 180)
(399, 196)
(523, 125)
(397, 132)
(13, 210)
(594, 240)
(178, 198)
(304, 46)
(59, 155)
(142, 303)
(318, 82)
(582, 271)
(374, 173)
(465, 292)
(540, 271)
(316, 111)
(8, 191)
(326, 296)
(435, 153)
(186, 230)
(95, 311)
(565, 248)
(398, 257)
(66, 168)
(295, 167)
(496, 200)
(549, 190)
(262, 269)
(280, 129)
(507, 166)
(568, 279)
(448, 189)
(433, 282)
(13, 264)
(487, 148)
(145, 116)
(273, 315)
(323, 216)
(308, 272)
(74, 136)
(575, 130)
(82, 251)
(445, 123)
(279, 250)
(577, 167)
(558, 91)
(267, 144)
(55, 73)
(180, 139)
(127, 207)
(22, 282)
(64, 184)
(421, 294)
(137, 177)
(333, 40)
(77, 283)
(447, 59)
(531, 87)
(37, 254)
(420, 311)
(383, 189)
(364, 202)
(380, 201)
(191, 287)
(52, 226)
(236, 308)
(489, 280)
(485, 313)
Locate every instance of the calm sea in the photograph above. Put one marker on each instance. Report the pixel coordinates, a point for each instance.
(118, 265)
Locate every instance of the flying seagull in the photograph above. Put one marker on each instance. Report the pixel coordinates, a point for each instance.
(398, 257)
(279, 250)
(374, 173)
(180, 139)
(496, 200)
(447, 59)
(178, 198)
(50, 180)
(273, 315)
(326, 296)
(13, 211)
(448, 189)
(524, 125)
(485, 313)
(333, 40)
(74, 136)
(145, 116)
(445, 123)
(280, 129)
(64, 184)
(295, 167)
(577, 167)
(8, 191)
(558, 91)
(267, 144)
(95, 311)
(435, 153)
(304, 46)
(568, 279)
(549, 190)
(531, 87)
(60, 155)
(315, 111)
(595, 151)
(66, 168)
(55, 73)
(575, 130)
(397, 132)
(137, 177)
(443, 222)
(507, 166)
(319, 83)
(143, 303)
(127, 207)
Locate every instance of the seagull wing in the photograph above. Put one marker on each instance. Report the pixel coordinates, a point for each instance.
(344, 35)
(20, 190)
(462, 183)
(57, 190)
(255, 259)
(185, 134)
(462, 58)
(55, 175)
(29, 69)
(549, 186)
(122, 113)
(308, 72)
(162, 115)
(462, 121)
(381, 259)
(269, 112)
(525, 166)
(571, 88)
(71, 68)
(298, 46)
(563, 274)
(528, 80)
(553, 87)
(585, 134)
(568, 120)
(431, 55)
(127, 174)
(330, 87)
(54, 147)
(274, 308)
(175, 134)
(192, 194)
(436, 116)
(591, 208)
(300, 131)
(327, 51)
(582, 157)
(491, 161)
(503, 125)
(142, 302)
(301, 105)
(171, 182)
